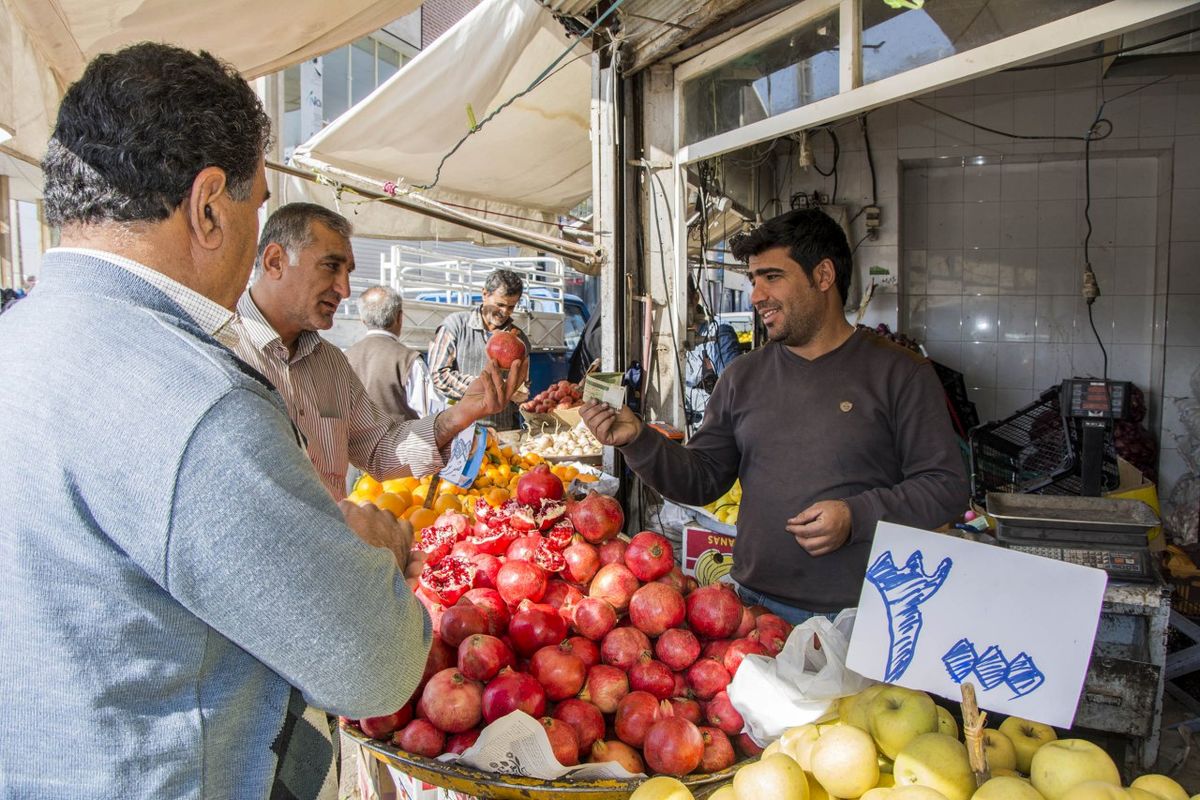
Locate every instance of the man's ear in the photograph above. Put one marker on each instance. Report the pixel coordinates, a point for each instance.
(825, 275)
(274, 259)
(205, 208)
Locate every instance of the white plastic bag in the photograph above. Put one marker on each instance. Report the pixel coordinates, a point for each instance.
(802, 684)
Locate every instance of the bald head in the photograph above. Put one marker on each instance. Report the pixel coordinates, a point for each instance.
(382, 308)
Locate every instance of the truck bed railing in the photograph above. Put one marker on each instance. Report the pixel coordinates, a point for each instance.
(422, 275)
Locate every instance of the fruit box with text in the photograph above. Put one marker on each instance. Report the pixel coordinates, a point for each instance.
(707, 555)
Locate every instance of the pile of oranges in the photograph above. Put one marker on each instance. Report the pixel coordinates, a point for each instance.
(496, 482)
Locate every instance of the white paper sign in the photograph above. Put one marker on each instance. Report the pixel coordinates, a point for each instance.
(937, 611)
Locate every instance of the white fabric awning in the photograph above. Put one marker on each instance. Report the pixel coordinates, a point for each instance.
(45, 44)
(525, 166)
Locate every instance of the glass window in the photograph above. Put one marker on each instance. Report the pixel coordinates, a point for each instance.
(894, 41)
(291, 109)
(389, 62)
(793, 70)
(335, 83)
(362, 69)
(573, 323)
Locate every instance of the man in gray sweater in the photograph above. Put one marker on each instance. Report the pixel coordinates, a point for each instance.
(181, 594)
(830, 429)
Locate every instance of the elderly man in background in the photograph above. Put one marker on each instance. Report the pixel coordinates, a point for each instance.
(394, 374)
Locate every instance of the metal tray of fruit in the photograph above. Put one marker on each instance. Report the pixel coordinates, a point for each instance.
(478, 783)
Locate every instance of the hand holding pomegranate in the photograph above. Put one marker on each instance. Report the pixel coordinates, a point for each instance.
(822, 527)
(612, 427)
(488, 394)
(379, 528)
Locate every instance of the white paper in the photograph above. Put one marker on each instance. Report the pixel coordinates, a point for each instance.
(1018, 626)
(604, 483)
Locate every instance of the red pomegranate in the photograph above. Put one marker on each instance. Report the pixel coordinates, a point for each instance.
(513, 691)
(649, 556)
(678, 648)
(562, 597)
(707, 677)
(487, 566)
(481, 656)
(383, 727)
(687, 708)
(614, 583)
(564, 741)
(494, 609)
(623, 647)
(681, 686)
(441, 656)
(674, 579)
(714, 611)
(672, 746)
(772, 632)
(448, 579)
(747, 625)
(520, 580)
(459, 743)
(523, 548)
(505, 347)
(716, 649)
(587, 650)
(466, 549)
(582, 562)
(420, 737)
(612, 552)
(451, 701)
(596, 517)
(655, 608)
(721, 714)
(636, 712)
(537, 485)
(594, 618)
(718, 751)
(559, 671)
(737, 650)
(652, 676)
(605, 687)
(461, 620)
(535, 626)
(618, 751)
(747, 746)
(585, 718)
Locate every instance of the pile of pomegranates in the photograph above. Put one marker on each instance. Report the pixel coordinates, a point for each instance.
(537, 606)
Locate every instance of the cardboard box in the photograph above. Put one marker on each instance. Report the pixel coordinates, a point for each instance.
(560, 419)
(1134, 486)
(707, 555)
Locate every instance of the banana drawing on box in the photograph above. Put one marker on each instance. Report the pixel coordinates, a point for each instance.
(712, 566)
(903, 591)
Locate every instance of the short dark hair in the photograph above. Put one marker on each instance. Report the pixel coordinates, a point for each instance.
(291, 228)
(506, 280)
(810, 235)
(139, 125)
(380, 306)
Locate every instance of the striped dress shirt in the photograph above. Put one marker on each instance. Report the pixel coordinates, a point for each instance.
(327, 402)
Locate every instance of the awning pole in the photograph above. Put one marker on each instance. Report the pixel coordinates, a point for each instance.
(588, 256)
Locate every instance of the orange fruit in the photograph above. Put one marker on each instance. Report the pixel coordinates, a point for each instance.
(496, 496)
(368, 486)
(446, 502)
(423, 518)
(395, 503)
(358, 497)
(418, 494)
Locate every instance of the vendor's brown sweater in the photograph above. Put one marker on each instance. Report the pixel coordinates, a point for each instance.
(865, 423)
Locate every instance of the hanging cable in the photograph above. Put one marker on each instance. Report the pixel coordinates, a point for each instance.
(1117, 52)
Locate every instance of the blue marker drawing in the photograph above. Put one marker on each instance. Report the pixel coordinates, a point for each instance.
(903, 592)
(992, 668)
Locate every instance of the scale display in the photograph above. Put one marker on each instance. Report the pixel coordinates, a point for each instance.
(1093, 399)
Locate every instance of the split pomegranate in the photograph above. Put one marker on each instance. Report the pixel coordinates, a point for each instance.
(718, 751)
(714, 611)
(587, 650)
(585, 718)
(721, 713)
(707, 677)
(489, 539)
(548, 558)
(597, 517)
(605, 688)
(560, 672)
(487, 566)
(672, 746)
(451, 701)
(535, 626)
(520, 580)
(619, 752)
(459, 743)
(504, 348)
(656, 608)
(649, 556)
(623, 647)
(564, 740)
(562, 597)
(614, 583)
(677, 648)
(420, 737)
(481, 656)
(582, 562)
(537, 485)
(461, 620)
(448, 579)
(612, 552)
(737, 650)
(513, 691)
(594, 618)
(551, 517)
(494, 609)
(652, 676)
(636, 712)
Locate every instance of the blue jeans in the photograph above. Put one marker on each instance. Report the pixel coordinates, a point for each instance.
(790, 614)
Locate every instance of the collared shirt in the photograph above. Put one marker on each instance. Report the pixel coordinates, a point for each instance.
(327, 402)
(458, 355)
(212, 317)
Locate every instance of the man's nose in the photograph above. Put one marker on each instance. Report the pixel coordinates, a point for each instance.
(341, 284)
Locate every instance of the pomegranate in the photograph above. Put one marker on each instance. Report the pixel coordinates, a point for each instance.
(587, 650)
(513, 691)
(466, 549)
(535, 626)
(614, 583)
(672, 746)
(718, 751)
(420, 737)
(451, 701)
(689, 585)
(681, 686)
(441, 656)
(585, 718)
(619, 752)
(623, 647)
(505, 347)
(605, 688)
(494, 609)
(520, 580)
(486, 568)
(383, 727)
(461, 620)
(549, 558)
(582, 562)
(716, 649)
(652, 676)
(596, 517)
(721, 714)
(560, 672)
(523, 548)
(481, 656)
(459, 743)
(772, 632)
(747, 746)
(656, 608)
(636, 712)
(517, 516)
(612, 552)
(687, 708)
(537, 485)
(649, 556)
(747, 625)
(563, 597)
(551, 517)
(714, 612)
(677, 648)
(594, 618)
(489, 539)
(454, 519)
(707, 677)
(674, 579)
(564, 740)
(737, 650)
(436, 541)
(448, 579)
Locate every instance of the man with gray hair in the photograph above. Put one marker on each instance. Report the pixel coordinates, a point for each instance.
(303, 274)
(394, 374)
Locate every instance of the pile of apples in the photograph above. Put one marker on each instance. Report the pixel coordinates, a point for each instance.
(538, 606)
(563, 394)
(893, 743)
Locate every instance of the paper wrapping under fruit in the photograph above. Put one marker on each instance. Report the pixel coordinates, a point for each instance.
(802, 684)
(517, 744)
(604, 483)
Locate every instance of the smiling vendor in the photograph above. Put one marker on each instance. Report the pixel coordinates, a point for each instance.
(831, 430)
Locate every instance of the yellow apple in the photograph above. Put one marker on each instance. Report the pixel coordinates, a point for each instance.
(1027, 736)
(877, 794)
(1161, 786)
(1001, 772)
(844, 761)
(1140, 794)
(999, 749)
(816, 791)
(937, 761)
(898, 715)
(1095, 790)
(946, 722)
(662, 787)
(1059, 765)
(1006, 788)
(915, 792)
(724, 793)
(852, 710)
(770, 749)
(798, 742)
(776, 776)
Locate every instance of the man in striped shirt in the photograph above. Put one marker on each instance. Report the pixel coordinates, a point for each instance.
(303, 273)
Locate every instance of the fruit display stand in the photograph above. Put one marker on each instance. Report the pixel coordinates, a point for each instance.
(496, 786)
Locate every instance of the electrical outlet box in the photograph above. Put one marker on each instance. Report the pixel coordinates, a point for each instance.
(873, 216)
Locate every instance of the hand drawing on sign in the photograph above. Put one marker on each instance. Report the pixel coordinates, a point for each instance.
(992, 668)
(903, 591)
